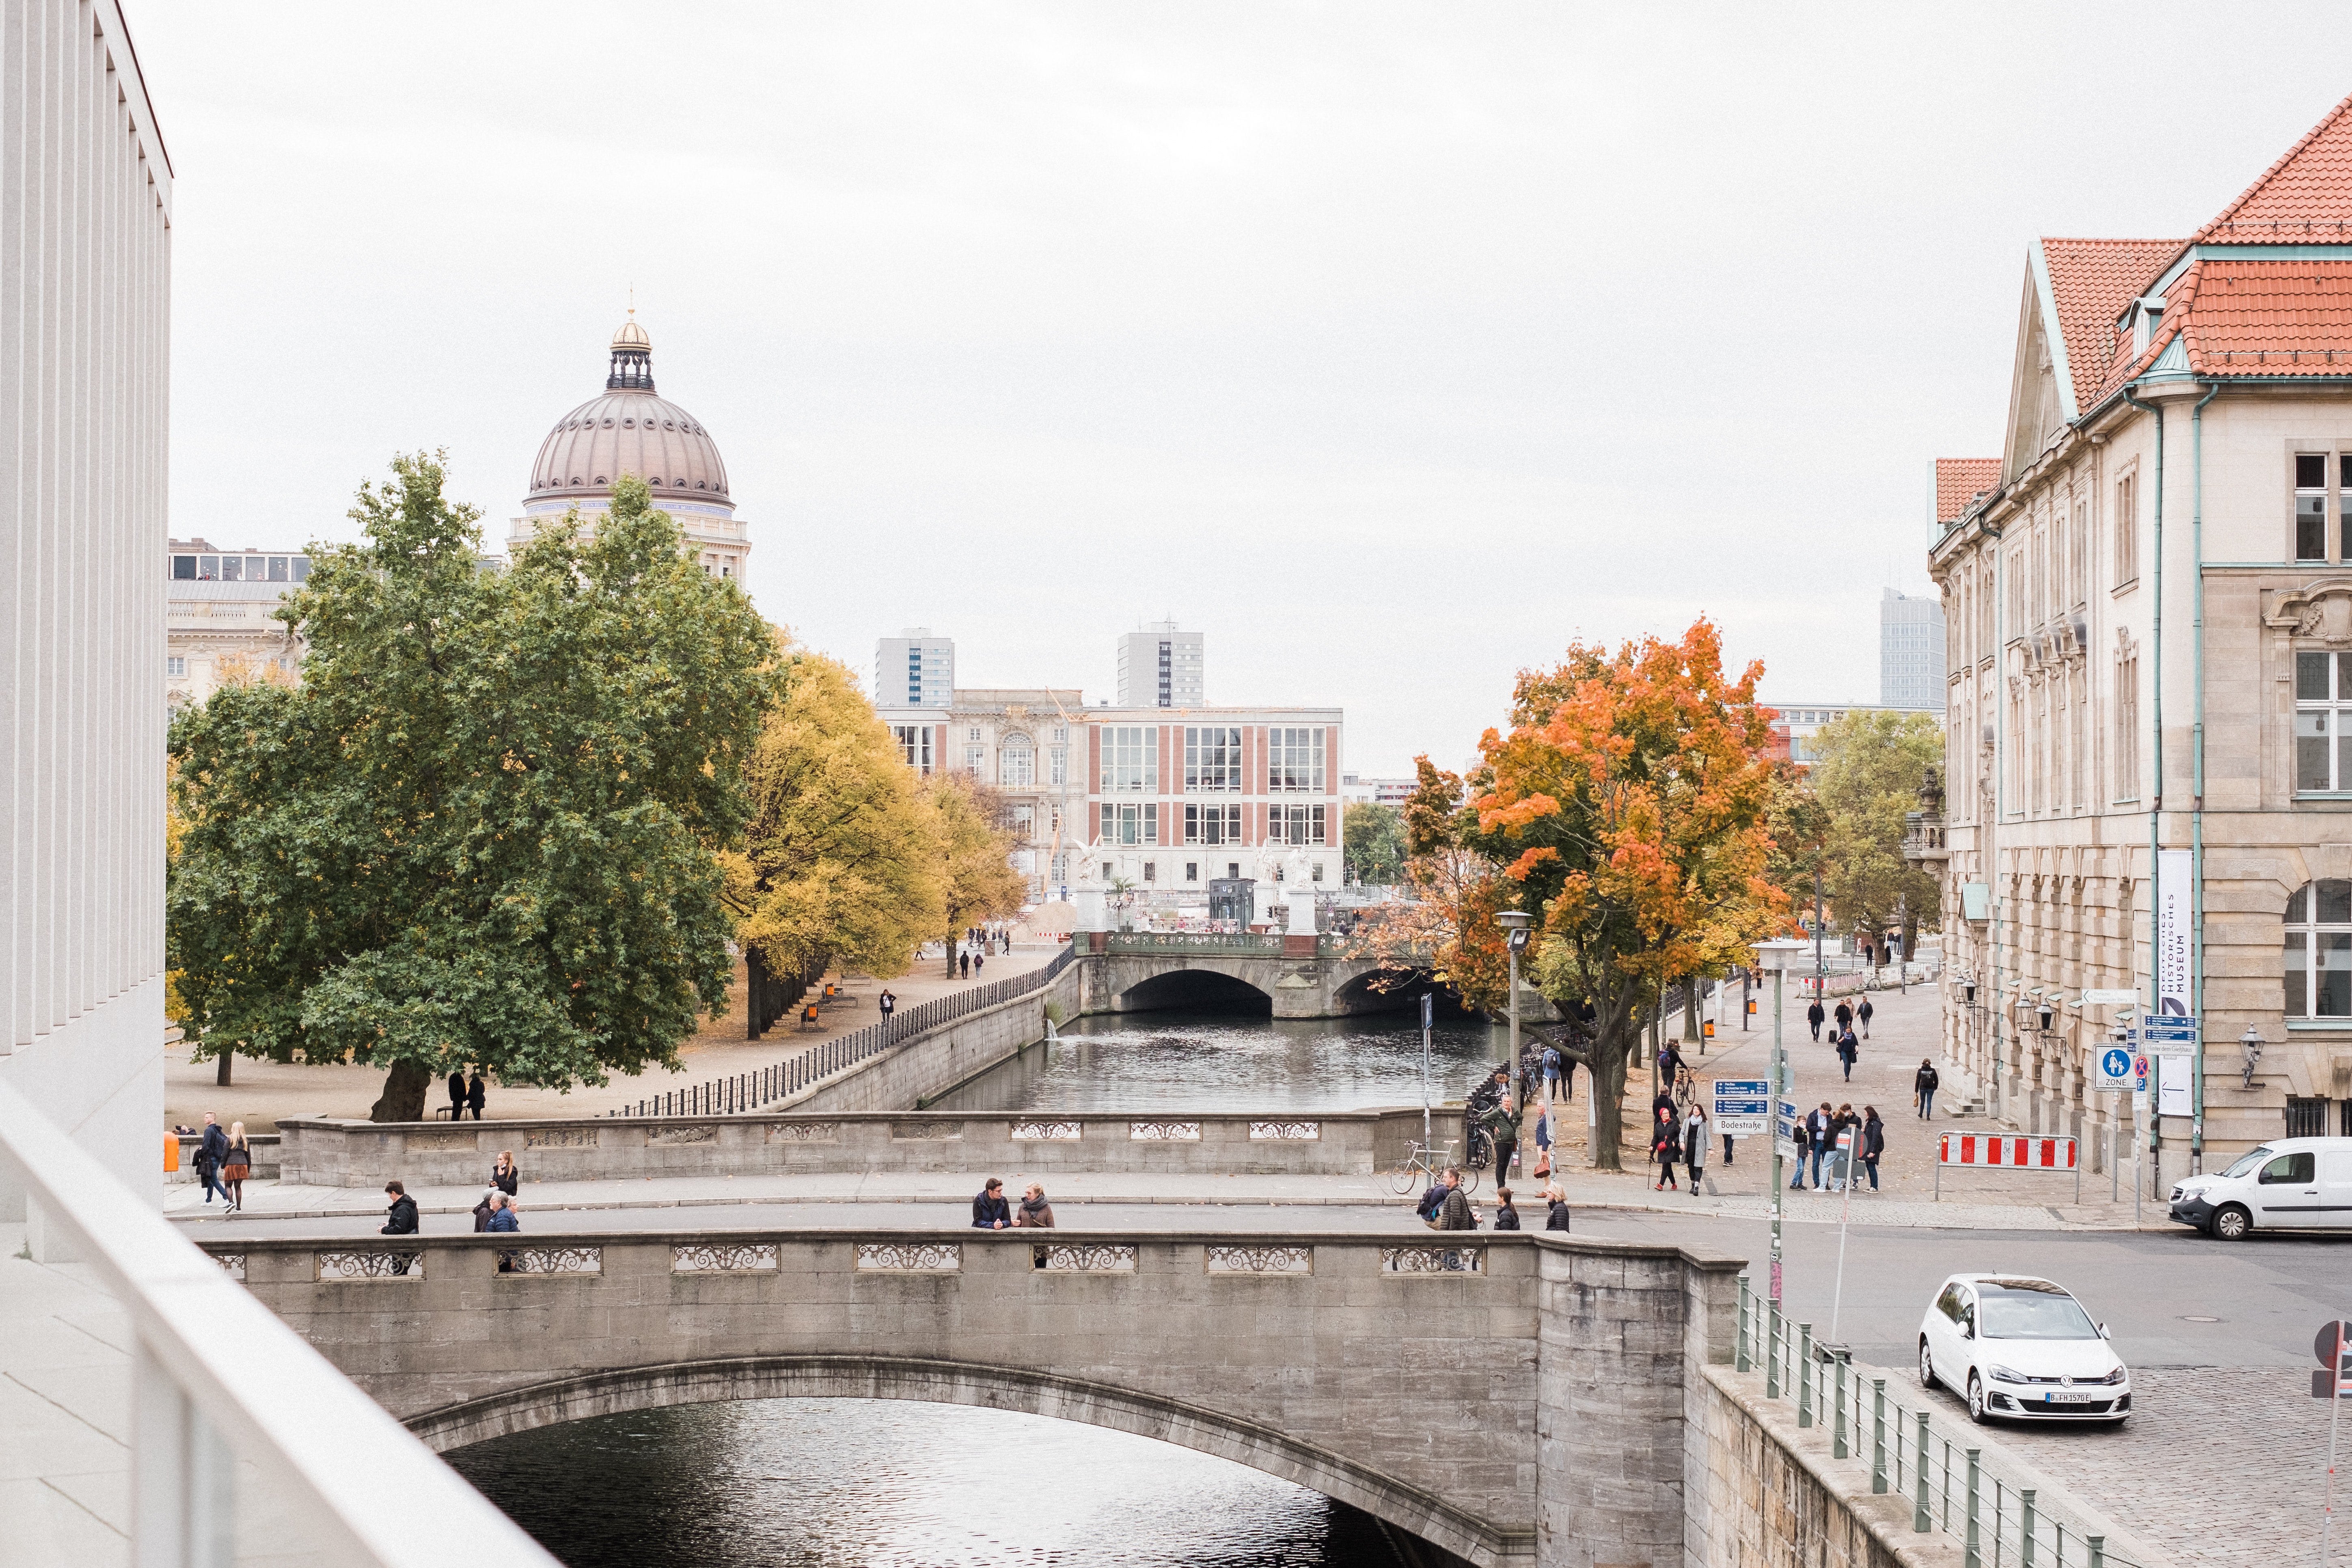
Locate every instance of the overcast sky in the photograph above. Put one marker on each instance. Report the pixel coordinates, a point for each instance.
(1392, 347)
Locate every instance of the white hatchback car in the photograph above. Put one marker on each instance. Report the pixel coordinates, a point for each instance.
(2016, 1346)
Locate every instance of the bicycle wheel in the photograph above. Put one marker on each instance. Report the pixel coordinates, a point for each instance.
(1482, 1150)
(1402, 1179)
(1469, 1180)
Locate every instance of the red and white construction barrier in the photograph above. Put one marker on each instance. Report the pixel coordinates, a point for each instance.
(2008, 1150)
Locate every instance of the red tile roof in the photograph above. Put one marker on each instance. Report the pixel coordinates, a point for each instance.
(2090, 281)
(2178, 301)
(2271, 318)
(1960, 481)
(2303, 199)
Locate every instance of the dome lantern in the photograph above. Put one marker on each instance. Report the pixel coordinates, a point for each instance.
(633, 358)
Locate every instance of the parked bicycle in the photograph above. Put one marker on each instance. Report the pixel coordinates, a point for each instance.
(1425, 1164)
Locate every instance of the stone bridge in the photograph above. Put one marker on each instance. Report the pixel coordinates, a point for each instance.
(1299, 977)
(1515, 1399)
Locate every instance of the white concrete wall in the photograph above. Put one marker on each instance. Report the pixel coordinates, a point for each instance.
(85, 318)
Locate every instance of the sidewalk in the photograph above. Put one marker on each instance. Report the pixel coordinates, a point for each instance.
(262, 1092)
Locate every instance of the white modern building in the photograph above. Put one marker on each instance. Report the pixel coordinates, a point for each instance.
(1799, 722)
(218, 617)
(1357, 789)
(1162, 666)
(914, 669)
(85, 380)
(1911, 650)
(628, 430)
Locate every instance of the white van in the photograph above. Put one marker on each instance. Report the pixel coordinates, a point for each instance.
(2287, 1184)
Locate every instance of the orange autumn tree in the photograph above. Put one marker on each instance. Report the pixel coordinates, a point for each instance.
(1628, 804)
(1446, 931)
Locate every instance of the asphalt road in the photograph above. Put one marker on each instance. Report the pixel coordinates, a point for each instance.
(2268, 1293)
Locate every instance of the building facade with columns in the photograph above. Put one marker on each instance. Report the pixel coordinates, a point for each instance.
(2149, 611)
(628, 430)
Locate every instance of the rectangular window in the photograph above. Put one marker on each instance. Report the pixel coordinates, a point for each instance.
(1130, 758)
(974, 759)
(2127, 529)
(2016, 607)
(2311, 506)
(2127, 726)
(1191, 871)
(1151, 870)
(1213, 760)
(1295, 760)
(1212, 825)
(174, 666)
(1232, 869)
(302, 568)
(257, 568)
(277, 569)
(1293, 825)
(1018, 764)
(1025, 821)
(1058, 765)
(914, 745)
(1130, 825)
(2344, 514)
(232, 568)
(183, 568)
(2323, 722)
(2078, 559)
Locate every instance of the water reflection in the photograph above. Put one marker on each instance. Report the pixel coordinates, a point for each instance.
(1226, 1062)
(894, 1485)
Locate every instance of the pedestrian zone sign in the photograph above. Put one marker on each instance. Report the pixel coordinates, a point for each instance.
(2113, 1070)
(2168, 1034)
(1741, 1106)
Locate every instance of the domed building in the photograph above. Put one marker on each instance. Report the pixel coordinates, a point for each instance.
(629, 430)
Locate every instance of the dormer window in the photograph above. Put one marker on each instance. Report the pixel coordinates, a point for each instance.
(2142, 321)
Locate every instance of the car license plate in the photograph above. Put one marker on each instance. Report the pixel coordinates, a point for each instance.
(2072, 1398)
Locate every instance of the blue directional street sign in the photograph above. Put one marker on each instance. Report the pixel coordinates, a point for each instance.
(2171, 1035)
(1741, 1106)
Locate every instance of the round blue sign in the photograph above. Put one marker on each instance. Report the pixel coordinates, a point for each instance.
(2116, 1063)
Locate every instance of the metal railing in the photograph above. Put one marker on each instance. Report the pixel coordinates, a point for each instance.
(1956, 1482)
(1187, 944)
(748, 1092)
(246, 1443)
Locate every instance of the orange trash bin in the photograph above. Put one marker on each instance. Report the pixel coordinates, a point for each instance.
(171, 1153)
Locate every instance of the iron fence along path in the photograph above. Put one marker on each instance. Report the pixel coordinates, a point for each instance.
(743, 1093)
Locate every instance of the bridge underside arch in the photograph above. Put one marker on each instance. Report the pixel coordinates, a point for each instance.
(1194, 987)
(933, 1382)
(1388, 990)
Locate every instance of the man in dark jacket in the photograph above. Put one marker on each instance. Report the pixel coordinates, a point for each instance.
(1923, 1089)
(1813, 1016)
(1861, 1011)
(989, 1210)
(456, 1094)
(1454, 1213)
(1670, 1065)
(1503, 1128)
(1432, 1199)
(1844, 1017)
(211, 1155)
(401, 1218)
(475, 1095)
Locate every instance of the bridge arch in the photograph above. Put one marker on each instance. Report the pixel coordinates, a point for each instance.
(1194, 986)
(943, 1382)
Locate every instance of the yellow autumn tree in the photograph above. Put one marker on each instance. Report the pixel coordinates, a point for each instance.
(974, 849)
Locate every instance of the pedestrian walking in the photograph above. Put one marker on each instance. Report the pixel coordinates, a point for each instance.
(1543, 1141)
(504, 1221)
(1035, 1214)
(456, 1094)
(400, 1219)
(964, 963)
(1923, 1087)
(485, 1209)
(1670, 1065)
(1506, 1216)
(1551, 1066)
(1455, 1213)
(978, 961)
(1844, 1017)
(989, 1210)
(1861, 1011)
(1823, 1124)
(1802, 1136)
(477, 1095)
(212, 1154)
(236, 1166)
(505, 1174)
(1557, 1202)
(1695, 1130)
(1813, 1016)
(1502, 1131)
(1666, 1144)
(888, 1004)
(1849, 1052)
(1874, 1143)
(1432, 1199)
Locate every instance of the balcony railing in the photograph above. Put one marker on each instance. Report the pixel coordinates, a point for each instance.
(244, 1443)
(1923, 838)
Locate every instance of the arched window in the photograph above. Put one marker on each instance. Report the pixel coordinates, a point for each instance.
(1016, 762)
(2319, 951)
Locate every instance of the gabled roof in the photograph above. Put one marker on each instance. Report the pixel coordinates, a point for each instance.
(2303, 199)
(1960, 481)
(2268, 318)
(2090, 281)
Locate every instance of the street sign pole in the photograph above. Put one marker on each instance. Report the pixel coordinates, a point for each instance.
(1779, 1081)
(2334, 1406)
(1426, 1135)
(1850, 1139)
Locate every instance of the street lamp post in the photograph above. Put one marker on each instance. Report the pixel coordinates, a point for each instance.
(1774, 957)
(1515, 923)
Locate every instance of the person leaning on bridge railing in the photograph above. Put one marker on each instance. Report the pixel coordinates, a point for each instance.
(989, 1210)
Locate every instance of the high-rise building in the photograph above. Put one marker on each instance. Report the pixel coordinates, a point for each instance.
(1910, 651)
(85, 385)
(914, 669)
(1161, 667)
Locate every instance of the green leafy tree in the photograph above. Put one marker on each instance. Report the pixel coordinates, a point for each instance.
(1865, 777)
(484, 829)
(1372, 837)
(838, 861)
(972, 846)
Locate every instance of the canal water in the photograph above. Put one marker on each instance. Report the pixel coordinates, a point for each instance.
(1207, 1061)
(864, 1483)
(890, 1484)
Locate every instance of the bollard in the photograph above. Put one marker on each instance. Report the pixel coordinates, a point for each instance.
(1972, 1554)
(1745, 1298)
(2025, 1528)
(1922, 1519)
(1772, 1352)
(1804, 1375)
(1877, 1434)
(1838, 1449)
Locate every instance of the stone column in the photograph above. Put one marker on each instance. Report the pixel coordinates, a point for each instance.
(1619, 1328)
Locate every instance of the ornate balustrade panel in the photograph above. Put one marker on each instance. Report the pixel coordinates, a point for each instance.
(1163, 1131)
(697, 1132)
(1047, 1131)
(805, 1132)
(909, 1257)
(1181, 943)
(552, 1260)
(1082, 1257)
(1286, 1131)
(1257, 1259)
(723, 1257)
(376, 1263)
(1432, 1260)
(559, 1138)
(231, 1264)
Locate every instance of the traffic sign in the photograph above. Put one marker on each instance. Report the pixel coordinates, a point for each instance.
(1742, 1106)
(1784, 1136)
(2113, 1070)
(2332, 1345)
(2167, 1035)
(2110, 998)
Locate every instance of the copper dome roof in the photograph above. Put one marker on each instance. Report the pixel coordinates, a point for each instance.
(628, 430)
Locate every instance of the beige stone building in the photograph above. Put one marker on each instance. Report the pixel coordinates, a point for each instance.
(2149, 603)
(218, 617)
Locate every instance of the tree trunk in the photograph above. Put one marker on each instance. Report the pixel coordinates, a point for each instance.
(1615, 1033)
(220, 1074)
(951, 948)
(404, 1094)
(1690, 1009)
